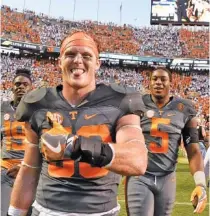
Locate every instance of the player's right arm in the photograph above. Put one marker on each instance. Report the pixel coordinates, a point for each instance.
(25, 185)
(24, 188)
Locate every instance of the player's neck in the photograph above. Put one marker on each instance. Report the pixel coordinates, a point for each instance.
(76, 96)
(15, 102)
(161, 102)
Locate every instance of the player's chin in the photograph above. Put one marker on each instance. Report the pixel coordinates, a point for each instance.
(78, 84)
(20, 95)
(159, 96)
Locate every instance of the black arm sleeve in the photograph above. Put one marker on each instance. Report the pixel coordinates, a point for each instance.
(190, 134)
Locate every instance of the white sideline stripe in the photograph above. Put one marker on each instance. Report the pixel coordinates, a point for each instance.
(176, 203)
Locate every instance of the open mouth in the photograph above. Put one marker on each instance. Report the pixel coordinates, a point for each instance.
(77, 71)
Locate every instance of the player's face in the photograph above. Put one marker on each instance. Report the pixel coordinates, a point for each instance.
(79, 65)
(160, 84)
(21, 85)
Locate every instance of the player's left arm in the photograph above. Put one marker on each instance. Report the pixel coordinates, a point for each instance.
(190, 137)
(130, 152)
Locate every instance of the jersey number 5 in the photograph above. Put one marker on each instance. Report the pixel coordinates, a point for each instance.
(163, 147)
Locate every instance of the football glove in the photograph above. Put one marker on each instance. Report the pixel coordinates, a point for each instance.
(57, 143)
(199, 199)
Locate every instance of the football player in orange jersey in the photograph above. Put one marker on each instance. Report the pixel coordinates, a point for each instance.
(12, 137)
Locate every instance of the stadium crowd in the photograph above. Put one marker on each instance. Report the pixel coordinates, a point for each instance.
(192, 85)
(153, 41)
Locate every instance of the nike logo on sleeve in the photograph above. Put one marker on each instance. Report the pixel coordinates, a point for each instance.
(89, 116)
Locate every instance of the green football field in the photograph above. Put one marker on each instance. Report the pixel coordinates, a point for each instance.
(185, 186)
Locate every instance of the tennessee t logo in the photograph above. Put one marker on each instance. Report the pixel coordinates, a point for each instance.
(73, 115)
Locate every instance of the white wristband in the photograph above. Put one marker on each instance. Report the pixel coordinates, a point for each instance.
(200, 178)
(12, 211)
(30, 143)
(29, 166)
(113, 155)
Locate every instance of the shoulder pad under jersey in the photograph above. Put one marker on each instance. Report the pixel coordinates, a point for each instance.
(186, 106)
(31, 102)
(139, 105)
(4, 105)
(121, 89)
(134, 103)
(35, 95)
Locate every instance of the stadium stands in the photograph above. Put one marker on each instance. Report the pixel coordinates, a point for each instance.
(157, 41)
(148, 41)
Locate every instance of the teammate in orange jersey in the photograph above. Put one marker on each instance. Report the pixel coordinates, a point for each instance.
(88, 138)
(165, 120)
(12, 137)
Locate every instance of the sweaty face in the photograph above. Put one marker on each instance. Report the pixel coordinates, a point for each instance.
(160, 84)
(79, 65)
(21, 85)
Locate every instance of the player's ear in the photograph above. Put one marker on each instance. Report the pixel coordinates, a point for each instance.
(59, 63)
(98, 64)
(13, 89)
